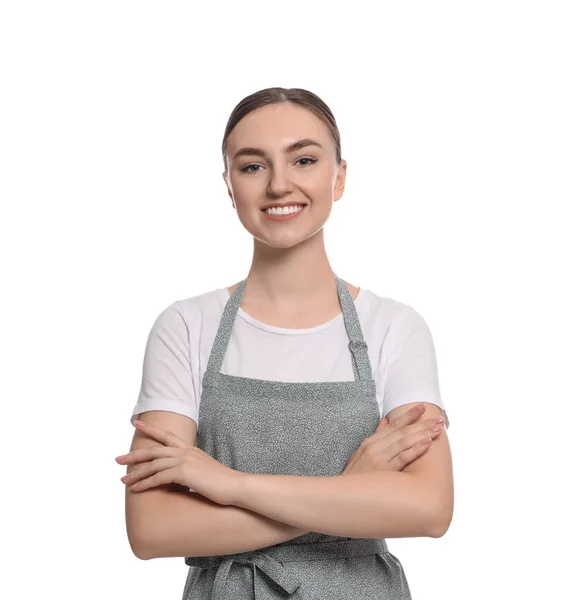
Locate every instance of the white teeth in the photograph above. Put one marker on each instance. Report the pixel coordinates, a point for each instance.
(285, 210)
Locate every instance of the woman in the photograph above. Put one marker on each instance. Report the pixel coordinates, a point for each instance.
(265, 398)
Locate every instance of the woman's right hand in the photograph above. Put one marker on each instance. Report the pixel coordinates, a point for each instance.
(394, 445)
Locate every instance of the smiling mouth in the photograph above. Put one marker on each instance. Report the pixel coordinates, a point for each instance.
(283, 217)
(299, 204)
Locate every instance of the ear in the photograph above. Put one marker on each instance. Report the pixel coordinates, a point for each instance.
(340, 180)
(225, 178)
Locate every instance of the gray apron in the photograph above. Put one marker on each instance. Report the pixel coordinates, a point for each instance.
(292, 428)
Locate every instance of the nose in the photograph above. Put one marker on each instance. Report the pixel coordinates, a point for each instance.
(279, 183)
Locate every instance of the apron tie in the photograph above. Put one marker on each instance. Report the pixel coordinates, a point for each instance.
(270, 566)
(265, 563)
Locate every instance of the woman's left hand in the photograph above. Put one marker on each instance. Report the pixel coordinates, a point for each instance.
(179, 462)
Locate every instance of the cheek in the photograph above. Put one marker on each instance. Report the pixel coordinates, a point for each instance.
(320, 190)
(316, 184)
(322, 181)
(247, 193)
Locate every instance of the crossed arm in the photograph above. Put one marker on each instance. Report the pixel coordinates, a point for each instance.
(270, 509)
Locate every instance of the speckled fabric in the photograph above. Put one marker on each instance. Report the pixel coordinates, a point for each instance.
(292, 428)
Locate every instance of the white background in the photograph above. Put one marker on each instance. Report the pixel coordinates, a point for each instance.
(460, 123)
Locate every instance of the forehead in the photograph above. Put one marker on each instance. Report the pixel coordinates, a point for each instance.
(275, 126)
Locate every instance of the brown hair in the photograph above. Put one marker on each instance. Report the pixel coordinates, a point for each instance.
(279, 95)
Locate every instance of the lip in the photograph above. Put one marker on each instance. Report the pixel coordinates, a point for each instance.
(275, 205)
(287, 217)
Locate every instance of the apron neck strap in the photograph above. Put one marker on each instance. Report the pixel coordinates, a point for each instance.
(357, 345)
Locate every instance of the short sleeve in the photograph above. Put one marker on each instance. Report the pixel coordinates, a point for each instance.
(167, 382)
(412, 373)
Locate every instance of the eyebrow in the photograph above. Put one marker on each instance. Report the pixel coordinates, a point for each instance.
(290, 148)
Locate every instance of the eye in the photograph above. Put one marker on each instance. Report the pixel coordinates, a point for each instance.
(249, 169)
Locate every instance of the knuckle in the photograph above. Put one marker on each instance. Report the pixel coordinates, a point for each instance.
(401, 461)
(420, 447)
(399, 445)
(404, 444)
(408, 454)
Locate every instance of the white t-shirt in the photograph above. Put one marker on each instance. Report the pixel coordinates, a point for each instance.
(400, 348)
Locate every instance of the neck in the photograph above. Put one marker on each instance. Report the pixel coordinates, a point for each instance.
(290, 276)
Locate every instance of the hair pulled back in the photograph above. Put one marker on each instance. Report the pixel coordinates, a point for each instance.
(279, 95)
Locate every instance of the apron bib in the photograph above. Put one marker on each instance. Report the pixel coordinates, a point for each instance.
(292, 428)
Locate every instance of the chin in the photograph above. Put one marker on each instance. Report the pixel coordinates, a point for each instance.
(287, 241)
(280, 244)
(283, 239)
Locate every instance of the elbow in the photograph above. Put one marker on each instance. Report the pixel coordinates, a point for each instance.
(139, 548)
(140, 537)
(439, 530)
(442, 511)
(441, 523)
(139, 525)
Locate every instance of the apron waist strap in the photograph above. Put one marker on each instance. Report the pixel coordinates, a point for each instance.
(268, 560)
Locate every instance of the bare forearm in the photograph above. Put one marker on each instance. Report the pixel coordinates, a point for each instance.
(377, 505)
(188, 524)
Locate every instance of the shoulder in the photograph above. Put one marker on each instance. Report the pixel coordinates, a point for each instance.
(189, 313)
(395, 319)
(206, 303)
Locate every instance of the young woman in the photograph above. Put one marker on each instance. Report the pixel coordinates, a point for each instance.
(263, 458)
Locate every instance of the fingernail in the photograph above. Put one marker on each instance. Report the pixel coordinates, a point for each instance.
(419, 407)
(139, 423)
